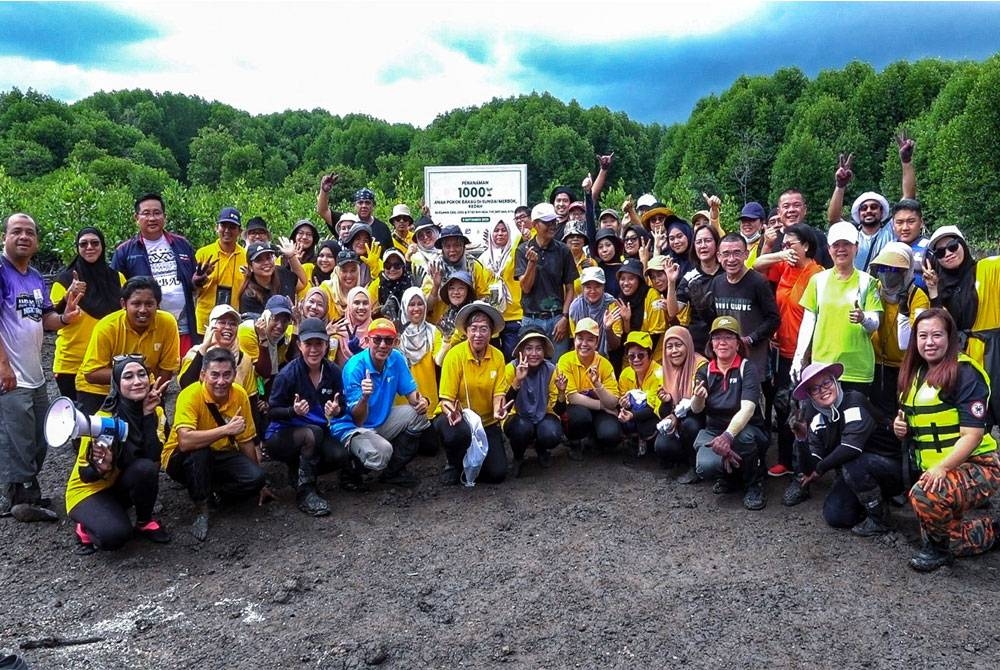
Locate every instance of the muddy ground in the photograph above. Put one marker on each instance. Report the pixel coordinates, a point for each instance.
(586, 565)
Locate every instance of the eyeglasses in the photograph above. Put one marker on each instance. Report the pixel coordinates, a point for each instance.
(870, 206)
(821, 387)
(731, 254)
(788, 244)
(723, 337)
(84, 244)
(121, 358)
(636, 355)
(951, 248)
(383, 339)
(630, 238)
(150, 213)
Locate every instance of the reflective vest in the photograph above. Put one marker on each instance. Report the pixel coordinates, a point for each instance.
(934, 426)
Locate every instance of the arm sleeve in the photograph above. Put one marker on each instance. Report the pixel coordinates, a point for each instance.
(280, 400)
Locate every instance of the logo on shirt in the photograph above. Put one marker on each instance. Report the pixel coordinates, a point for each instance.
(28, 306)
(978, 409)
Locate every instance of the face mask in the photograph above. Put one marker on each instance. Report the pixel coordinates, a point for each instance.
(892, 282)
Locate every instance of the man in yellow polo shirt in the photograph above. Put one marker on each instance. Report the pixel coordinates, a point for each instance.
(139, 327)
(211, 448)
(217, 274)
(591, 391)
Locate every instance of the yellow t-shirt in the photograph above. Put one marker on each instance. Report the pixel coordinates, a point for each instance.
(424, 373)
(192, 412)
(473, 383)
(78, 490)
(988, 313)
(246, 376)
(225, 279)
(113, 336)
(651, 384)
(577, 380)
(72, 339)
(885, 340)
(654, 321)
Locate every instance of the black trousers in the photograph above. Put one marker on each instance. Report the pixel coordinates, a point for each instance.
(310, 442)
(866, 473)
(456, 440)
(543, 436)
(231, 474)
(104, 515)
(678, 448)
(603, 427)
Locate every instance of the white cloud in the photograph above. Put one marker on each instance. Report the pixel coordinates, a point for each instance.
(390, 60)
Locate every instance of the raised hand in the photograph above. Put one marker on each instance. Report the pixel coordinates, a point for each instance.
(236, 425)
(286, 247)
(454, 413)
(521, 369)
(561, 382)
(332, 407)
(700, 390)
(300, 405)
(500, 412)
(930, 275)
(72, 312)
(606, 160)
(77, 286)
(624, 310)
(587, 183)
(843, 175)
(594, 375)
(857, 315)
(102, 457)
(673, 272)
(646, 252)
(422, 404)
(899, 426)
(531, 255)
(155, 396)
(203, 270)
(906, 146)
(714, 202)
(329, 181)
(611, 315)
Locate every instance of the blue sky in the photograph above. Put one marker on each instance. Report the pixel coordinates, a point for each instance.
(409, 62)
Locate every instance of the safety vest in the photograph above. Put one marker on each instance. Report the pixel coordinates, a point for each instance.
(934, 424)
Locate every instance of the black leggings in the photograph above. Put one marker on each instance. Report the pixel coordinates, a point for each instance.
(308, 442)
(678, 448)
(104, 515)
(456, 440)
(583, 422)
(543, 436)
(66, 382)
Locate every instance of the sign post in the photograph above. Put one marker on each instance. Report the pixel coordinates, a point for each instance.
(475, 197)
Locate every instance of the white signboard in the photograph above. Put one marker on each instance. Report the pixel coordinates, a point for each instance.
(475, 196)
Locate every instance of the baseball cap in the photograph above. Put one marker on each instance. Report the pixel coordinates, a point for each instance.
(220, 311)
(609, 212)
(631, 266)
(576, 205)
(382, 327)
(543, 212)
(347, 256)
(587, 325)
(753, 210)
(640, 338)
(593, 274)
(230, 215)
(279, 304)
(258, 249)
(657, 264)
(313, 329)
(842, 230)
(645, 200)
(726, 323)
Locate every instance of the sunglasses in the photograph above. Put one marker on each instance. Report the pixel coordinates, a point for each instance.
(631, 239)
(83, 244)
(121, 358)
(393, 266)
(951, 248)
(383, 339)
(636, 355)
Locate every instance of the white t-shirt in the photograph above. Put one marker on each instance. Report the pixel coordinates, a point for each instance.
(163, 265)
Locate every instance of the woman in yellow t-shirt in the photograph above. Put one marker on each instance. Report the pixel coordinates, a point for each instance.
(88, 274)
(110, 474)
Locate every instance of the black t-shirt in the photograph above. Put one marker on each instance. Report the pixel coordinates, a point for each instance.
(855, 430)
(727, 391)
(751, 302)
(555, 268)
(693, 290)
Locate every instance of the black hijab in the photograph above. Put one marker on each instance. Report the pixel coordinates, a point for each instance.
(104, 289)
(129, 411)
(957, 289)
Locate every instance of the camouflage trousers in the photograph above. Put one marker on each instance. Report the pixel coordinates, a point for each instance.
(954, 513)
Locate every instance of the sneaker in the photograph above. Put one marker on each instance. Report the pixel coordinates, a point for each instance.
(870, 527)
(778, 470)
(795, 494)
(754, 498)
(545, 458)
(27, 513)
(723, 486)
(451, 476)
(312, 503)
(84, 545)
(153, 531)
(200, 527)
(402, 478)
(690, 476)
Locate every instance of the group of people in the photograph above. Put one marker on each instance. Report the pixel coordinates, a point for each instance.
(862, 351)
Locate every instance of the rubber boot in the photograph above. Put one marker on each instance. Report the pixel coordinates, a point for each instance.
(933, 555)
(878, 521)
(309, 501)
(403, 451)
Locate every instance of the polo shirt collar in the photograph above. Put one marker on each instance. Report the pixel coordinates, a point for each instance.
(713, 366)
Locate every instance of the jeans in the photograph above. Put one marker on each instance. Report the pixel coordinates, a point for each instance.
(548, 327)
(582, 422)
(231, 474)
(750, 444)
(508, 339)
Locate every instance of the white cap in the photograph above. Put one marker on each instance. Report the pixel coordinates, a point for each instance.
(645, 200)
(842, 230)
(592, 274)
(543, 211)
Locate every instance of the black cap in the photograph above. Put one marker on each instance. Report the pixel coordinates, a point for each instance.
(256, 223)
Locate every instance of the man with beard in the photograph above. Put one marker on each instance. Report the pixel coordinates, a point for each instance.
(364, 207)
(452, 242)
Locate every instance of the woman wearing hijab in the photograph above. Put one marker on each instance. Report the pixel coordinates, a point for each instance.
(419, 341)
(112, 475)
(675, 440)
(346, 276)
(386, 291)
(608, 252)
(967, 288)
(326, 262)
(505, 292)
(89, 275)
(538, 393)
(352, 330)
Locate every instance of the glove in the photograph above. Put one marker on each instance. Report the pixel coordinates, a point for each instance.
(796, 372)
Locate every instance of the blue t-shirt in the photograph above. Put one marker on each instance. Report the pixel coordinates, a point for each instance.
(24, 301)
(395, 379)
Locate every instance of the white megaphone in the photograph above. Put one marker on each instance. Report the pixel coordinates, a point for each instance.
(65, 422)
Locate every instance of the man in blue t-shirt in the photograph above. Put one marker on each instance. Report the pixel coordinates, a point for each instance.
(382, 435)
